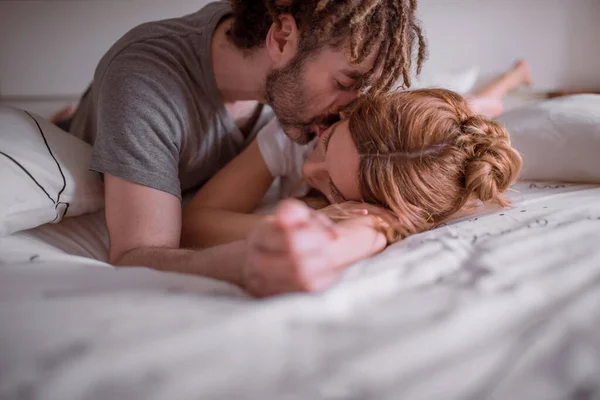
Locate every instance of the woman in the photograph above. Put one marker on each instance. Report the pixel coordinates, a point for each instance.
(421, 155)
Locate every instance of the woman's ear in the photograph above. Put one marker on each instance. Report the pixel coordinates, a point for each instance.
(282, 40)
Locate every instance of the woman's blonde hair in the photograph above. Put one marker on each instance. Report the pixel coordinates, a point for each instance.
(424, 155)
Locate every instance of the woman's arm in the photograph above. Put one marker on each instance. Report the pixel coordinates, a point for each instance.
(221, 210)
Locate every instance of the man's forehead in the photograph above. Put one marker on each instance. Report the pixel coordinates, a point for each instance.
(367, 63)
(341, 57)
(363, 70)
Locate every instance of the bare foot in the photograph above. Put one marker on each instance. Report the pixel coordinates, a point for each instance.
(522, 73)
(518, 75)
(63, 114)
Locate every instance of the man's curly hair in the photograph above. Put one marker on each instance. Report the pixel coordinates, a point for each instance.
(388, 27)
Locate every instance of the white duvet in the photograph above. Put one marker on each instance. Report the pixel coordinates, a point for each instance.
(502, 305)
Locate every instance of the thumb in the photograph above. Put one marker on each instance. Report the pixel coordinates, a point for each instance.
(291, 213)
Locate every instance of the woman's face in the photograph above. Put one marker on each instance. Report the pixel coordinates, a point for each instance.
(332, 168)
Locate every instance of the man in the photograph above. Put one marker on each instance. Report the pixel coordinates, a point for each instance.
(173, 101)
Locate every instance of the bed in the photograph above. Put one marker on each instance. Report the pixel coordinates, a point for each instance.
(499, 304)
(502, 304)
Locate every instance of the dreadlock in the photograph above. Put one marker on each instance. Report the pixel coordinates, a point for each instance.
(389, 28)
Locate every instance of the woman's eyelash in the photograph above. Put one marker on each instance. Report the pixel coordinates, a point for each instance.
(326, 140)
(337, 196)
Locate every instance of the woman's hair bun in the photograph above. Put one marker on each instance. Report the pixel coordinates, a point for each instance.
(492, 164)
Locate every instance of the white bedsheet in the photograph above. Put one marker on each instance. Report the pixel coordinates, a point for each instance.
(503, 305)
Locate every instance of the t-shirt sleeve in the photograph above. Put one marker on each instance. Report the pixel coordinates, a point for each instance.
(139, 132)
(274, 146)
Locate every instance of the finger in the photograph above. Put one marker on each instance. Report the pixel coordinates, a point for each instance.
(307, 235)
(270, 238)
(299, 240)
(291, 212)
(311, 238)
(327, 224)
(277, 274)
(381, 212)
(362, 211)
(350, 208)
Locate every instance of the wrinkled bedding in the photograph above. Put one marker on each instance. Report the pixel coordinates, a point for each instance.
(504, 304)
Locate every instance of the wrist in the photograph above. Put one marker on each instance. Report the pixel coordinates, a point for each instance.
(225, 262)
(238, 252)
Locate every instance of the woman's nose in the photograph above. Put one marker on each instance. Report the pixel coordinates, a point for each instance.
(315, 168)
(316, 172)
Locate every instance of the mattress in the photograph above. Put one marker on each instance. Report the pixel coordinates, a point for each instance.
(502, 304)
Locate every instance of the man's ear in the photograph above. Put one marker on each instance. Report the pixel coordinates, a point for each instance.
(282, 40)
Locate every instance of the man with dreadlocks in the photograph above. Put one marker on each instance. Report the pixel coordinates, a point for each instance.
(173, 101)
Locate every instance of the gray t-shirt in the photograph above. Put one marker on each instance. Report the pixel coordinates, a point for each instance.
(154, 114)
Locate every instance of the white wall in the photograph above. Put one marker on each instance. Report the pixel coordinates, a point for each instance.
(561, 38)
(49, 49)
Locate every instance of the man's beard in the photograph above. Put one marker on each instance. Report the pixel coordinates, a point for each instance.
(287, 94)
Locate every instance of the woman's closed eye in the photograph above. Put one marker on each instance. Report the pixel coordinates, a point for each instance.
(326, 139)
(335, 193)
(333, 190)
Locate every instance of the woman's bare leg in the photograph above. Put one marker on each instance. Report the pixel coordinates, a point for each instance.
(488, 101)
(518, 75)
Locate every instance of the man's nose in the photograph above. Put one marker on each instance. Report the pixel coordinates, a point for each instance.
(344, 110)
(346, 98)
(341, 102)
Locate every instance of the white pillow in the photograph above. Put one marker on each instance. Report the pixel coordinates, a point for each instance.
(559, 139)
(43, 172)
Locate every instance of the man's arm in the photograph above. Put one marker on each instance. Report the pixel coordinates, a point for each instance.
(289, 252)
(139, 135)
(144, 226)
